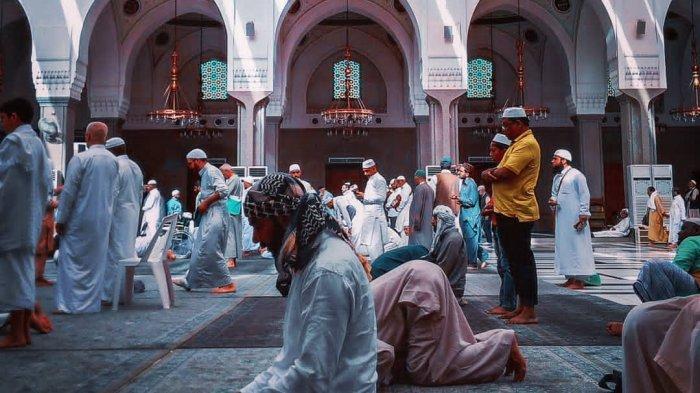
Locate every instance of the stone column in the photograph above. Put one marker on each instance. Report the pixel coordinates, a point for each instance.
(444, 132)
(63, 109)
(590, 155)
(250, 144)
(272, 130)
(259, 134)
(423, 141)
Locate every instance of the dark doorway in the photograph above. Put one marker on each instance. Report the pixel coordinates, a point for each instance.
(337, 174)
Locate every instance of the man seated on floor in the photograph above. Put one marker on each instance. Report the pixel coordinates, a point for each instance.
(330, 330)
(392, 259)
(660, 280)
(425, 338)
(621, 229)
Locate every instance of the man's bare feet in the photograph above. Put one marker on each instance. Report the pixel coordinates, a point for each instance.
(231, 263)
(517, 364)
(17, 337)
(182, 283)
(12, 342)
(575, 284)
(43, 282)
(566, 283)
(511, 314)
(230, 288)
(526, 317)
(170, 255)
(41, 323)
(498, 310)
(614, 328)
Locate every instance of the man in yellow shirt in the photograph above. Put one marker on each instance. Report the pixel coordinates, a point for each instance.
(516, 209)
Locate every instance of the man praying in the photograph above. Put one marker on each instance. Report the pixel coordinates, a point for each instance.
(421, 212)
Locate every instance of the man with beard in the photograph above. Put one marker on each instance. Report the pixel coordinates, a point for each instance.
(374, 228)
(330, 334)
(570, 200)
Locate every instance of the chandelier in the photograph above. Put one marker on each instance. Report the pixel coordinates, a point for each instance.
(347, 113)
(173, 111)
(533, 112)
(691, 113)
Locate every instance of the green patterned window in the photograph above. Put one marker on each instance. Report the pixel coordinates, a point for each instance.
(339, 79)
(611, 88)
(214, 80)
(480, 72)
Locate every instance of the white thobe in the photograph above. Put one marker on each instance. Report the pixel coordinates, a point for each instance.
(621, 229)
(25, 181)
(85, 207)
(352, 222)
(330, 329)
(374, 235)
(677, 215)
(307, 186)
(402, 219)
(125, 223)
(405, 195)
(152, 212)
(235, 237)
(573, 252)
(390, 211)
(247, 231)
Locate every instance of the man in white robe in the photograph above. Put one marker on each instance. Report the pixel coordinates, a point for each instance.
(676, 217)
(207, 264)
(125, 223)
(83, 222)
(295, 171)
(247, 231)
(392, 202)
(621, 229)
(152, 214)
(233, 206)
(330, 329)
(25, 182)
(570, 199)
(374, 229)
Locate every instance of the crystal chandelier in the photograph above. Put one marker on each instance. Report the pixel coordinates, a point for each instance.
(173, 111)
(533, 112)
(691, 113)
(346, 114)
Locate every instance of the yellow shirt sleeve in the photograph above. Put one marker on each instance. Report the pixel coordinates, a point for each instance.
(518, 158)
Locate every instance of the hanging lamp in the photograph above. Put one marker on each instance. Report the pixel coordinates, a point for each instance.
(347, 115)
(691, 114)
(176, 110)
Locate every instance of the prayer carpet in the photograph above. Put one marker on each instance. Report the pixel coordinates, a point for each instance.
(565, 320)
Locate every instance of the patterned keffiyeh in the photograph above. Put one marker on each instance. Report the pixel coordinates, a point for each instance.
(445, 221)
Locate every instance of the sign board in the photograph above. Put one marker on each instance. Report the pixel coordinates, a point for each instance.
(641, 72)
(643, 176)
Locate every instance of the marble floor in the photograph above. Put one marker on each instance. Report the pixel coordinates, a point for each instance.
(143, 348)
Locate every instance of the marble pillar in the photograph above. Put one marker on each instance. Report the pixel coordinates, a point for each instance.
(272, 130)
(444, 133)
(63, 109)
(590, 156)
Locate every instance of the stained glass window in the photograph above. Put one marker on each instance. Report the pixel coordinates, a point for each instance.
(214, 80)
(339, 79)
(480, 73)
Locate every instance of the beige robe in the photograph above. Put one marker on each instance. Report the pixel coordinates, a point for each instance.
(425, 338)
(661, 346)
(657, 232)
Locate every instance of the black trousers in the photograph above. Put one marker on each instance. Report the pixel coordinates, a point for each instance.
(515, 239)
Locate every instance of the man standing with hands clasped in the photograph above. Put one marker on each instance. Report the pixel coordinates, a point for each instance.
(570, 200)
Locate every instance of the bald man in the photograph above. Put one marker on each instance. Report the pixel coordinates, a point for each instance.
(83, 222)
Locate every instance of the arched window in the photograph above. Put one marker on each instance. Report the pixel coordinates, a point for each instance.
(214, 80)
(339, 79)
(480, 74)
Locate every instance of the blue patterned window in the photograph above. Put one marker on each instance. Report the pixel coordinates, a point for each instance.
(339, 79)
(480, 73)
(214, 80)
(611, 88)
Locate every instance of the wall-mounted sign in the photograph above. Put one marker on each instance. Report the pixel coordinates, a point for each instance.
(641, 72)
(562, 5)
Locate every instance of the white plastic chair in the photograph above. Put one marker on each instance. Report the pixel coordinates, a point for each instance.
(155, 256)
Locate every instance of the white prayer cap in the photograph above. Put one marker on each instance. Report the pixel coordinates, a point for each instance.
(114, 142)
(152, 182)
(563, 153)
(247, 179)
(196, 154)
(502, 139)
(226, 167)
(401, 178)
(514, 112)
(294, 168)
(366, 164)
(175, 193)
(354, 187)
(481, 187)
(392, 180)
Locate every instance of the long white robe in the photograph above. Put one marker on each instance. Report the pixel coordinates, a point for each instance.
(374, 229)
(125, 223)
(207, 264)
(25, 181)
(677, 215)
(234, 241)
(247, 229)
(152, 212)
(85, 207)
(573, 251)
(621, 229)
(330, 329)
(353, 221)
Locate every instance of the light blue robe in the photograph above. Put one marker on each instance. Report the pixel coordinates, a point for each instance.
(25, 181)
(85, 207)
(208, 265)
(330, 328)
(125, 223)
(234, 241)
(173, 206)
(470, 218)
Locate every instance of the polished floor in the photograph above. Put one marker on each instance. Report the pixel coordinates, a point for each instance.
(144, 348)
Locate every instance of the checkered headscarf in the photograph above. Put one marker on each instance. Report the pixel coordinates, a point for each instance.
(274, 195)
